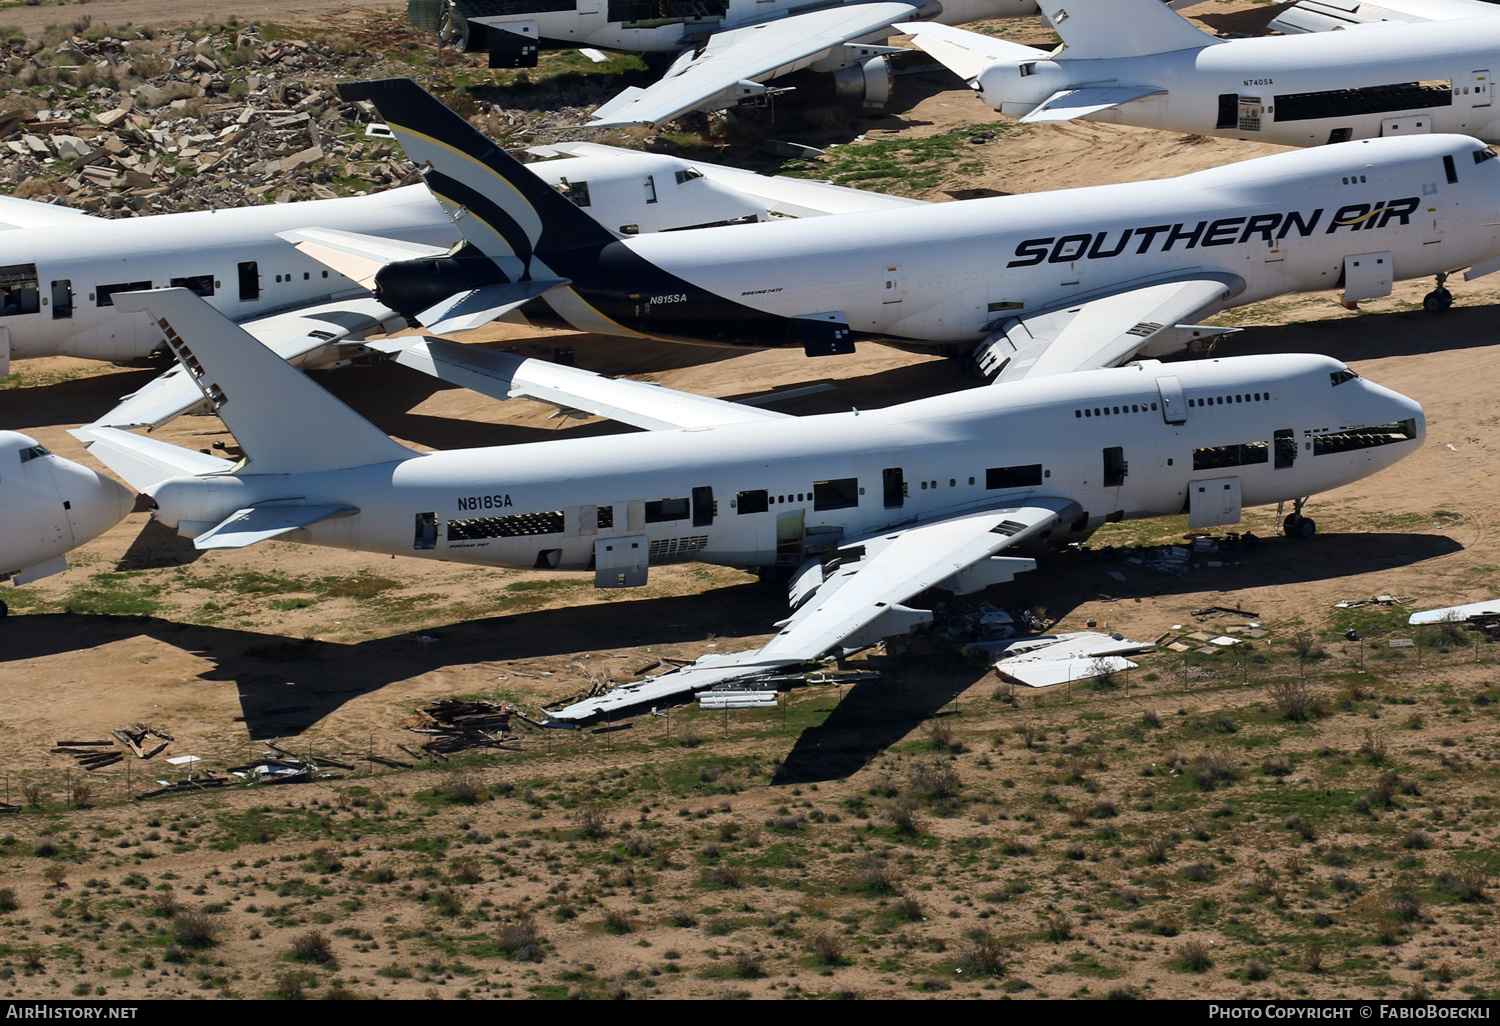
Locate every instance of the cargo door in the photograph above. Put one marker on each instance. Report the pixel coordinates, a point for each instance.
(1214, 503)
(894, 290)
(1421, 124)
(1476, 88)
(790, 531)
(621, 562)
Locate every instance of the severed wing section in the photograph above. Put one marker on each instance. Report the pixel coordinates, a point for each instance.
(857, 599)
(731, 65)
(505, 376)
(1067, 104)
(1332, 15)
(311, 337)
(1107, 331)
(245, 527)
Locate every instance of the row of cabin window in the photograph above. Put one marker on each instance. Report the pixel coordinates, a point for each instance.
(1105, 411)
(1221, 400)
(204, 285)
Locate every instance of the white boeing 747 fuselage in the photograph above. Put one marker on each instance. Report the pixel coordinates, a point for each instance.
(950, 272)
(1144, 440)
(1302, 90)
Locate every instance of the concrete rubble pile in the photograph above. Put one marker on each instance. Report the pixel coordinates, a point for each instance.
(218, 120)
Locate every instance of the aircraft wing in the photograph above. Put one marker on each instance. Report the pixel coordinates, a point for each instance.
(1330, 15)
(730, 64)
(245, 527)
(857, 601)
(24, 213)
(966, 53)
(1067, 104)
(505, 376)
(783, 196)
(298, 336)
(1107, 331)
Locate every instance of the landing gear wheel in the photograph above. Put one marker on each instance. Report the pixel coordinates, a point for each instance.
(1298, 526)
(1439, 300)
(4, 610)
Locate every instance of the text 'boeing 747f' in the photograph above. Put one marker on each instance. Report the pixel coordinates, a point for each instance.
(870, 508)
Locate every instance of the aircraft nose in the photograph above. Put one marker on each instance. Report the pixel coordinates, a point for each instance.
(95, 502)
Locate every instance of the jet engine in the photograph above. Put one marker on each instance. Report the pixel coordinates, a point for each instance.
(869, 80)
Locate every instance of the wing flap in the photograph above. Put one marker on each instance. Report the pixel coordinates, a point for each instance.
(505, 376)
(245, 527)
(731, 63)
(301, 337)
(856, 603)
(1067, 104)
(1104, 332)
(966, 53)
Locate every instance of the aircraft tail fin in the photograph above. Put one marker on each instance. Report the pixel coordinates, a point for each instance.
(509, 213)
(285, 423)
(1092, 29)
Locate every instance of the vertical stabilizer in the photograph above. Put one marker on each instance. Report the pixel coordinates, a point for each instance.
(498, 205)
(1095, 29)
(284, 421)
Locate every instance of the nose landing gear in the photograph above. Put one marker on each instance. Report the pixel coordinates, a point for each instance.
(1439, 300)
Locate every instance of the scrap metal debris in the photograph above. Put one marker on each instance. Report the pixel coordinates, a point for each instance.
(459, 725)
(1059, 658)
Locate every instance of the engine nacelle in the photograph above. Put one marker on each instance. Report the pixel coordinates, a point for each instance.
(869, 81)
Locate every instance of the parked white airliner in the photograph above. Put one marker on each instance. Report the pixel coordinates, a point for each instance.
(874, 506)
(1043, 283)
(49, 506)
(1135, 62)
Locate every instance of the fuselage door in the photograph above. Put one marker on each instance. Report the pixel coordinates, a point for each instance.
(1478, 87)
(1173, 405)
(894, 290)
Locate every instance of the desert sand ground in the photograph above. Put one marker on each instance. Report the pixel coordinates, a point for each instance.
(929, 833)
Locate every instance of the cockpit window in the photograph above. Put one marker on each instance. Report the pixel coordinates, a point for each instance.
(1480, 156)
(1341, 376)
(683, 177)
(27, 455)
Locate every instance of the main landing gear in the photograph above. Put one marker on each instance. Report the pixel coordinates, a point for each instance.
(1439, 300)
(1296, 525)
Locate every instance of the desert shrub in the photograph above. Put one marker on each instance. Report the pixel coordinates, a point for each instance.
(8, 902)
(1151, 718)
(638, 844)
(1374, 747)
(828, 949)
(1121, 992)
(445, 900)
(1212, 770)
(1256, 971)
(1276, 766)
(936, 777)
(312, 946)
(1076, 851)
(688, 736)
(56, 874)
(1156, 850)
(1058, 928)
(380, 875)
(465, 871)
(1103, 809)
(1467, 883)
(982, 954)
(902, 814)
(942, 737)
(1295, 699)
(617, 922)
(462, 787)
(748, 965)
(875, 874)
(519, 940)
(1313, 959)
(908, 908)
(1193, 956)
(591, 820)
(323, 860)
(1418, 840)
(195, 929)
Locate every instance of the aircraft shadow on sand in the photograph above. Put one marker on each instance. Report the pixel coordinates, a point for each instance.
(287, 685)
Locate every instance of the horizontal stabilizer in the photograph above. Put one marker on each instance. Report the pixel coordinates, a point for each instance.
(312, 338)
(1451, 615)
(477, 307)
(1094, 29)
(966, 53)
(505, 376)
(285, 423)
(1335, 15)
(146, 462)
(606, 111)
(256, 524)
(355, 256)
(1067, 104)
